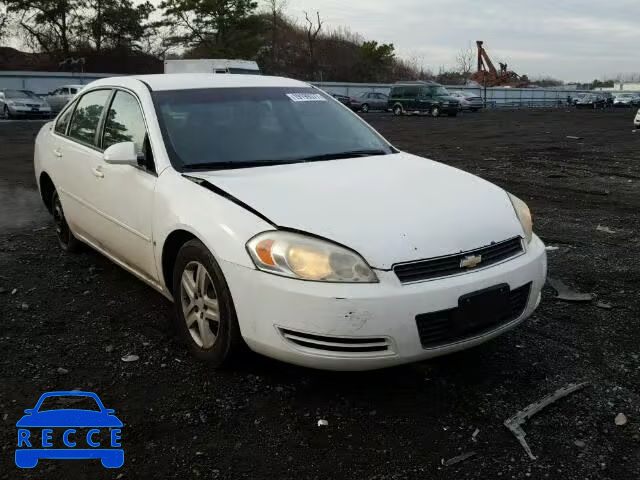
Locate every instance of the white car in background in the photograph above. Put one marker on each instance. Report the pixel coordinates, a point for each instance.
(274, 216)
(62, 95)
(636, 121)
(468, 100)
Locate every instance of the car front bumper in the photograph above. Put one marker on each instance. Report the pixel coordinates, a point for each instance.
(278, 315)
(28, 111)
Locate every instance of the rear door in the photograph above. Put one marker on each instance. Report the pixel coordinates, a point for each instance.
(380, 101)
(80, 174)
(411, 98)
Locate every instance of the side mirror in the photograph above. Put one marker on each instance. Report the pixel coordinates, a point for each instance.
(123, 153)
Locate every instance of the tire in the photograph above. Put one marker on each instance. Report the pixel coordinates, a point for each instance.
(66, 240)
(199, 288)
(6, 114)
(435, 112)
(397, 110)
(364, 108)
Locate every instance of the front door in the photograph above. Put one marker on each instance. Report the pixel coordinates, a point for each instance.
(127, 192)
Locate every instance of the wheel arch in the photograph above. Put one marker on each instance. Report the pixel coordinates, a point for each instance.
(46, 189)
(170, 248)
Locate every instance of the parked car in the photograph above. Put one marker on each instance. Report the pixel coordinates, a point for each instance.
(578, 97)
(61, 96)
(372, 101)
(636, 121)
(22, 103)
(592, 101)
(422, 97)
(293, 252)
(468, 100)
(350, 102)
(627, 100)
(608, 98)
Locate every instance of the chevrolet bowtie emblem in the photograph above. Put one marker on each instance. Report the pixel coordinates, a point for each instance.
(470, 261)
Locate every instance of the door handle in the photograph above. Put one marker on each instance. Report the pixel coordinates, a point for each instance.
(97, 172)
(57, 152)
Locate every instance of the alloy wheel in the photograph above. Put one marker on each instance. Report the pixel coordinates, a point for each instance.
(199, 302)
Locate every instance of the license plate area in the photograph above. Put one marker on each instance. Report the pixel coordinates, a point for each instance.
(482, 308)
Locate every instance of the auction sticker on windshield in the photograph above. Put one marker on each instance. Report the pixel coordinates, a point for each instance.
(306, 97)
(69, 425)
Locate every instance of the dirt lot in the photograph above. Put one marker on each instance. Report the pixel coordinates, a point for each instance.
(82, 314)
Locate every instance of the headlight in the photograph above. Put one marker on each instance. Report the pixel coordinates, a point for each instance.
(524, 215)
(308, 258)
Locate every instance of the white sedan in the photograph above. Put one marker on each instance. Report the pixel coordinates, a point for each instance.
(275, 217)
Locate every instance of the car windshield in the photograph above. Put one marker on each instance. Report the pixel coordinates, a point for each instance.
(16, 94)
(61, 402)
(235, 127)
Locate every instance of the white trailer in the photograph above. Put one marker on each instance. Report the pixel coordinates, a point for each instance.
(212, 65)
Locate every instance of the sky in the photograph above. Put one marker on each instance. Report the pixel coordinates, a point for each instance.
(572, 40)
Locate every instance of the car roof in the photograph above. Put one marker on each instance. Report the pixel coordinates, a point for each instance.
(186, 81)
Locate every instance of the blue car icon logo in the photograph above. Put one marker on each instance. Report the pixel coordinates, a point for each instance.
(85, 433)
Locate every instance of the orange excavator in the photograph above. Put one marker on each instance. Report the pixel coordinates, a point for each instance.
(487, 75)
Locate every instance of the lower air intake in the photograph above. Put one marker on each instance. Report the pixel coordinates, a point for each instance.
(351, 346)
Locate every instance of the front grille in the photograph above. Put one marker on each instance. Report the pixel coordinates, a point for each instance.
(450, 265)
(346, 345)
(439, 328)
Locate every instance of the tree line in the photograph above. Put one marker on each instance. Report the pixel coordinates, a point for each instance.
(64, 29)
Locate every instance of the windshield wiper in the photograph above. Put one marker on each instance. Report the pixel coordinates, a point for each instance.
(349, 154)
(227, 165)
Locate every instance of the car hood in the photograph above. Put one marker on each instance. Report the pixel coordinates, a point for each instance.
(69, 418)
(389, 208)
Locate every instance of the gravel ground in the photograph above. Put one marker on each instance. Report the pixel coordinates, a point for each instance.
(72, 318)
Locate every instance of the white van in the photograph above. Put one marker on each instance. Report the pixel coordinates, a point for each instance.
(212, 65)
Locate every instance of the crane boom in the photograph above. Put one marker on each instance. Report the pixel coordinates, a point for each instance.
(484, 60)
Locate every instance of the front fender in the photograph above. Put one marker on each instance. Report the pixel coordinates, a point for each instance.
(222, 225)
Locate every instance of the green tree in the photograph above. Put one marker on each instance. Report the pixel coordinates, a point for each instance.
(207, 23)
(4, 21)
(116, 23)
(51, 24)
(376, 60)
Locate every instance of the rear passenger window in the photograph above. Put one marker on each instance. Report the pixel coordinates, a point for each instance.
(84, 122)
(63, 121)
(124, 122)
